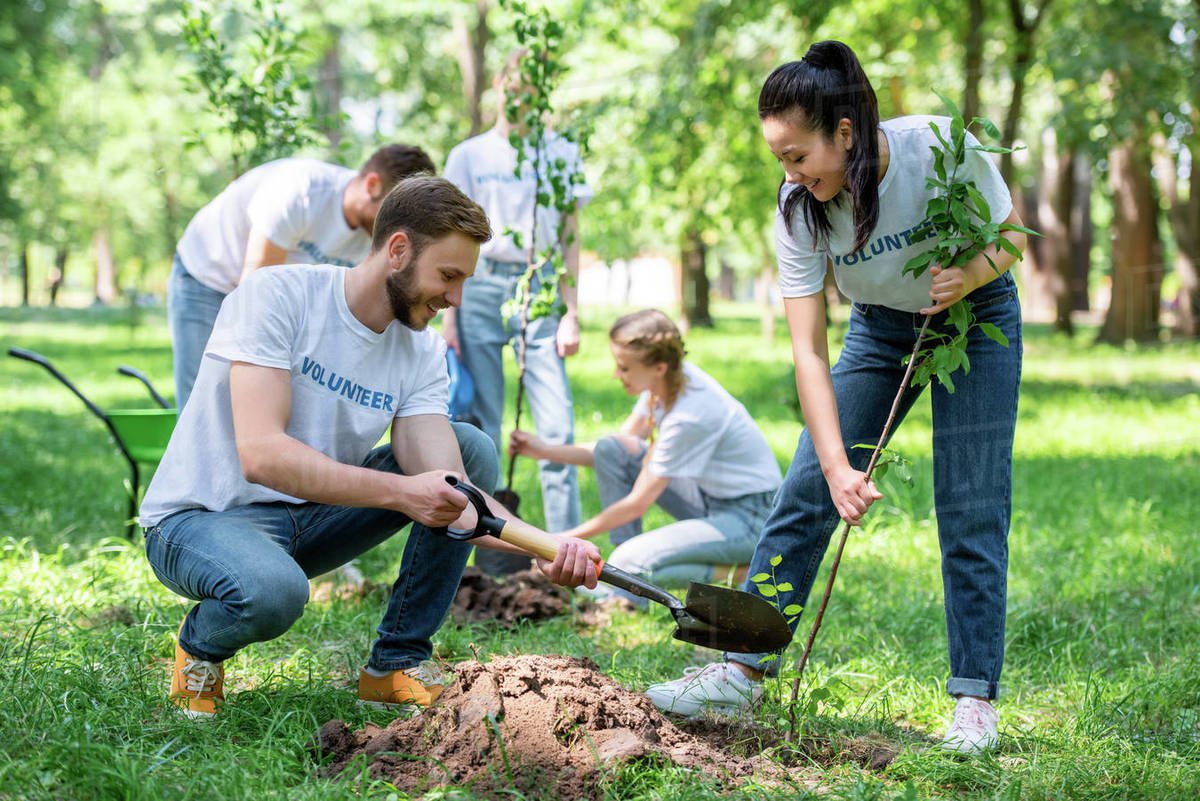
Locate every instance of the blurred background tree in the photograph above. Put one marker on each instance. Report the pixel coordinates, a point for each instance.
(99, 102)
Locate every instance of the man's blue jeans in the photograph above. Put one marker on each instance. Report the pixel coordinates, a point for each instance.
(191, 311)
(972, 474)
(249, 566)
(483, 333)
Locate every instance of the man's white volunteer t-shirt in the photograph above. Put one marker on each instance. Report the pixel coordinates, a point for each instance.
(296, 203)
(348, 383)
(484, 168)
(874, 274)
(709, 437)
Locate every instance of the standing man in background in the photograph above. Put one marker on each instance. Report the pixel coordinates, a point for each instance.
(289, 211)
(484, 167)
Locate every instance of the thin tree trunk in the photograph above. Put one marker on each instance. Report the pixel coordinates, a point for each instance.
(106, 271)
(59, 275)
(1137, 268)
(694, 285)
(1081, 235)
(471, 50)
(1055, 202)
(1184, 215)
(24, 261)
(331, 89)
(1023, 51)
(973, 59)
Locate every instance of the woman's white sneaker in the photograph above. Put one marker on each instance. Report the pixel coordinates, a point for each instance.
(719, 687)
(973, 729)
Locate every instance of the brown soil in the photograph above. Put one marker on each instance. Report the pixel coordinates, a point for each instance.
(548, 726)
(525, 595)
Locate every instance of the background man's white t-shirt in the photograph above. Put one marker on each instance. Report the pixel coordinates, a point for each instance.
(874, 274)
(296, 203)
(484, 167)
(709, 437)
(348, 383)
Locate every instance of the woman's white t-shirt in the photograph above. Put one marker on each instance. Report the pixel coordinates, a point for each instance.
(709, 437)
(874, 273)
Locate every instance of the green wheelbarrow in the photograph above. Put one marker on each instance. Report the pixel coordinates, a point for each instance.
(141, 435)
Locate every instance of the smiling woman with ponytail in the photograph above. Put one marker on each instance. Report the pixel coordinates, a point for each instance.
(854, 196)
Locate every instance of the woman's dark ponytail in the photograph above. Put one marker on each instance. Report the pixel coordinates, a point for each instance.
(821, 89)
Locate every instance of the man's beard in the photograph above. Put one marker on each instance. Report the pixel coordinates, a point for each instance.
(401, 291)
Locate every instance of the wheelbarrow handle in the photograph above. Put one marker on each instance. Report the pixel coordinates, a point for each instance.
(37, 358)
(133, 372)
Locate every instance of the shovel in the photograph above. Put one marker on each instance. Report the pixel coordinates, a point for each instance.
(712, 617)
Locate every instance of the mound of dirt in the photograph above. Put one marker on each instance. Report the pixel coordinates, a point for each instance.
(547, 726)
(524, 595)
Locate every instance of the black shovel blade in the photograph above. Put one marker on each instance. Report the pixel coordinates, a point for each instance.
(508, 499)
(731, 620)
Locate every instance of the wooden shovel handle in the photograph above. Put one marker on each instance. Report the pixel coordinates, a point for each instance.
(536, 542)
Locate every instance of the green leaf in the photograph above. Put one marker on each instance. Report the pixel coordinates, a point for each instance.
(793, 609)
(991, 148)
(987, 125)
(758, 578)
(1021, 228)
(982, 209)
(767, 590)
(993, 333)
(950, 106)
(784, 587)
(776, 560)
(1008, 247)
(960, 316)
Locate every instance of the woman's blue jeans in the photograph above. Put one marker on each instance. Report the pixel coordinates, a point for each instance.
(483, 332)
(248, 567)
(708, 531)
(972, 475)
(191, 312)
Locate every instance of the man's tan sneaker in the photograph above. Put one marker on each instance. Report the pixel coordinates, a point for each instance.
(415, 687)
(197, 685)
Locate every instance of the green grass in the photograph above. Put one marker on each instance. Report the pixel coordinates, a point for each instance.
(1104, 613)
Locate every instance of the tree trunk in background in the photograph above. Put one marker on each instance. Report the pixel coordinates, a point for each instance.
(1081, 235)
(1137, 268)
(1184, 215)
(762, 295)
(694, 287)
(59, 275)
(726, 281)
(1023, 51)
(973, 61)
(331, 89)
(1055, 262)
(24, 261)
(106, 271)
(471, 50)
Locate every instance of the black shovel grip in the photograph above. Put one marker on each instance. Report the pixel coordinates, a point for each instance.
(488, 523)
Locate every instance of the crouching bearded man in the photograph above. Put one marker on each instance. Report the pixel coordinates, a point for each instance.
(272, 475)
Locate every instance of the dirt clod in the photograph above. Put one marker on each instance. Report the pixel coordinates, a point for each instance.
(547, 726)
(524, 595)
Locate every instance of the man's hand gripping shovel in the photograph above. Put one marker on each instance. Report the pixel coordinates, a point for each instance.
(712, 617)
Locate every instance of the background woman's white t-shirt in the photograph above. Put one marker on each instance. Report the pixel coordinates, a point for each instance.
(709, 437)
